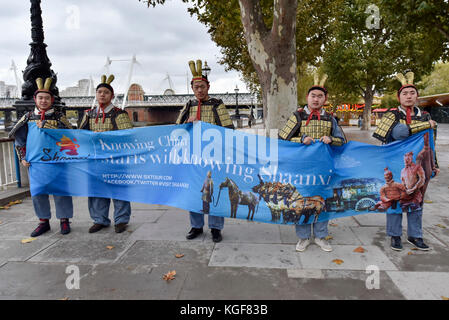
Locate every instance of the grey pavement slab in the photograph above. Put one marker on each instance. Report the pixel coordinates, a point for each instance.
(36, 280)
(22, 230)
(371, 235)
(288, 235)
(274, 284)
(315, 258)
(442, 234)
(371, 219)
(343, 235)
(172, 225)
(119, 281)
(218, 283)
(251, 232)
(414, 260)
(145, 215)
(345, 284)
(92, 251)
(21, 212)
(254, 255)
(421, 285)
(162, 252)
(343, 222)
(15, 250)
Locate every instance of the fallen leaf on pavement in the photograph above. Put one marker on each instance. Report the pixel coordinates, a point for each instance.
(333, 224)
(338, 261)
(328, 238)
(27, 240)
(444, 298)
(169, 276)
(414, 249)
(109, 247)
(410, 253)
(428, 201)
(441, 226)
(179, 255)
(359, 249)
(14, 202)
(64, 299)
(4, 207)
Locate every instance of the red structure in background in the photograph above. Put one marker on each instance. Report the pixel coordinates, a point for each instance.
(147, 116)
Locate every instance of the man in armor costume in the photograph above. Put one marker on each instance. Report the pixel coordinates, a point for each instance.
(45, 116)
(307, 125)
(107, 117)
(398, 125)
(210, 110)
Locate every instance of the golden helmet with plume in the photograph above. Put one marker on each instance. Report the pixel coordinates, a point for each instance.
(197, 71)
(106, 82)
(406, 81)
(318, 84)
(43, 86)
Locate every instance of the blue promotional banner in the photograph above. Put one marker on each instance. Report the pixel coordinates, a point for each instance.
(210, 169)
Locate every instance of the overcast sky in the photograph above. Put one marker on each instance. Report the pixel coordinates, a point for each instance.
(80, 34)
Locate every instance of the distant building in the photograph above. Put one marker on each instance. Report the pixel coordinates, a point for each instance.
(84, 88)
(135, 92)
(8, 91)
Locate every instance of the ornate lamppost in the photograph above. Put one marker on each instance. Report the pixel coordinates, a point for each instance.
(206, 69)
(38, 65)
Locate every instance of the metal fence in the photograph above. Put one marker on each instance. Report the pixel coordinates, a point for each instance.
(9, 164)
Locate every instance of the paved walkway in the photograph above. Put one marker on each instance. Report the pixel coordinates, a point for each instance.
(254, 260)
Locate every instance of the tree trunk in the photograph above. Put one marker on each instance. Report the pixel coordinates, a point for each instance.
(273, 54)
(368, 97)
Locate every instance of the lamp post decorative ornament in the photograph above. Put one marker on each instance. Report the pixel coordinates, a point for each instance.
(206, 69)
(38, 64)
(237, 114)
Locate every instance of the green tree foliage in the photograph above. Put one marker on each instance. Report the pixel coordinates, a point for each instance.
(437, 82)
(431, 16)
(369, 49)
(315, 21)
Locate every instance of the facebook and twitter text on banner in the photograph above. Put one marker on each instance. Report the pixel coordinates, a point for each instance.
(236, 174)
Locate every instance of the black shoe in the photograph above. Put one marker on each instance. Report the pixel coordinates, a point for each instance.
(41, 229)
(396, 243)
(65, 226)
(418, 243)
(119, 228)
(216, 235)
(194, 232)
(96, 227)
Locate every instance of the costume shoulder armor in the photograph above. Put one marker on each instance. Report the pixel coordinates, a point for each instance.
(23, 121)
(215, 102)
(385, 127)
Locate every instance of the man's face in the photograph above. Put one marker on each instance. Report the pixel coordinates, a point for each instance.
(316, 99)
(43, 100)
(200, 89)
(104, 96)
(408, 97)
(388, 177)
(408, 159)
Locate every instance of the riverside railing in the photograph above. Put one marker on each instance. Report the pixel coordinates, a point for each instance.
(9, 164)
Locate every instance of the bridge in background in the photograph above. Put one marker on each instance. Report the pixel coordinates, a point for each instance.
(244, 100)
